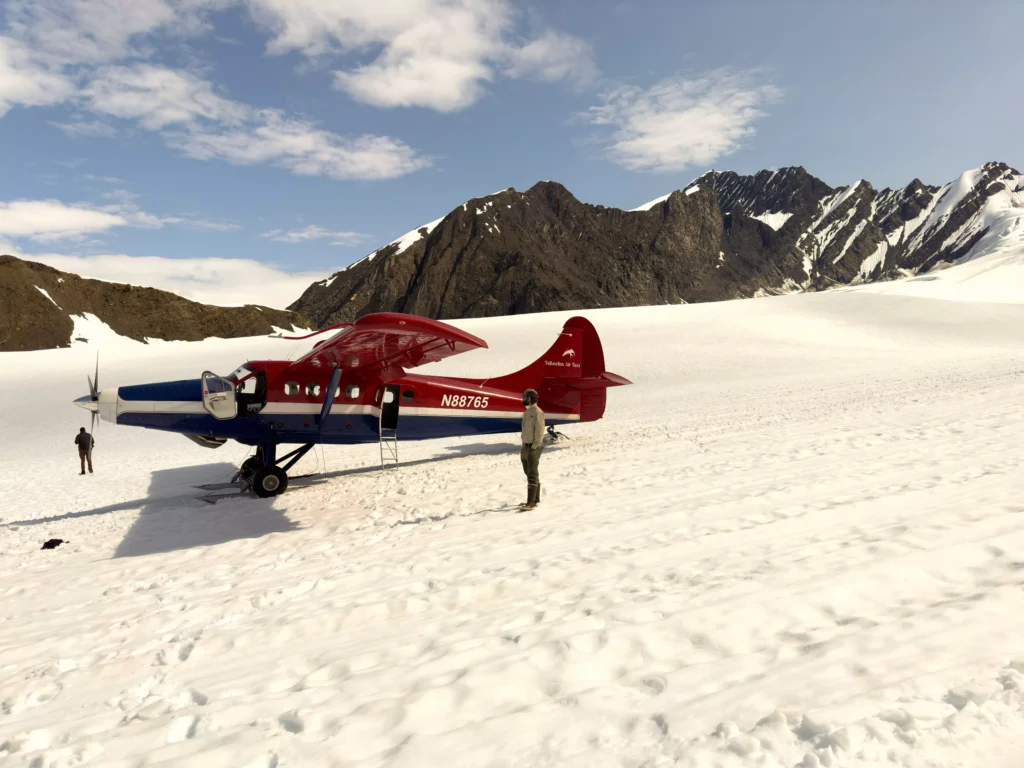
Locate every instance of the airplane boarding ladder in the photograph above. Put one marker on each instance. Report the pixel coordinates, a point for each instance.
(388, 448)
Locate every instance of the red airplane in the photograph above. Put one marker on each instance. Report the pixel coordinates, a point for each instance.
(353, 387)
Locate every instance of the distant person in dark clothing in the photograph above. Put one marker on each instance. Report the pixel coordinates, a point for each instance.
(85, 443)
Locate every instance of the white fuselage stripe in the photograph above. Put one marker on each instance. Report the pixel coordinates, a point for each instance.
(278, 408)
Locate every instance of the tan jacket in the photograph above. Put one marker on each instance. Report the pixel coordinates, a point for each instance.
(533, 426)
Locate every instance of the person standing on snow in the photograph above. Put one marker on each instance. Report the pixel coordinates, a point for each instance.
(533, 444)
(85, 443)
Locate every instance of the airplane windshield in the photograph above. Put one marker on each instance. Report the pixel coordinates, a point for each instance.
(241, 372)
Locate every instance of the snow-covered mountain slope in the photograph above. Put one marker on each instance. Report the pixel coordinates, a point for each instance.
(42, 308)
(723, 236)
(796, 540)
(856, 234)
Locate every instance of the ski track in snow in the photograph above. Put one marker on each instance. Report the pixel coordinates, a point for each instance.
(798, 539)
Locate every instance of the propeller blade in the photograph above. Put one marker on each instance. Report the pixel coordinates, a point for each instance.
(92, 389)
(92, 423)
(96, 379)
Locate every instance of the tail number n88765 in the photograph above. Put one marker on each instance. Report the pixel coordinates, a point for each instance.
(463, 401)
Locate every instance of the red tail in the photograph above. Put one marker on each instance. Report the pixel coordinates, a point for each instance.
(570, 377)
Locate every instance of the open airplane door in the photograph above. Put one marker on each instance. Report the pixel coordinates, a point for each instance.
(389, 408)
(219, 396)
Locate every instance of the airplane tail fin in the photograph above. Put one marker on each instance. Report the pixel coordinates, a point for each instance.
(570, 377)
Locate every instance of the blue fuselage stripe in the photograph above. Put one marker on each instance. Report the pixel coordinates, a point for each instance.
(302, 428)
(174, 391)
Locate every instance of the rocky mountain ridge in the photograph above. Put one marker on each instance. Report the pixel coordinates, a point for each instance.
(42, 308)
(723, 236)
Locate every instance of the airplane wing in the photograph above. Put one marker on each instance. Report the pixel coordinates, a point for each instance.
(387, 340)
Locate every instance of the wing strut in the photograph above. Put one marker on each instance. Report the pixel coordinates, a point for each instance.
(329, 399)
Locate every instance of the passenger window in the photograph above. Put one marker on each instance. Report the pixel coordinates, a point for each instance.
(291, 388)
(389, 396)
(408, 395)
(352, 392)
(249, 386)
(312, 390)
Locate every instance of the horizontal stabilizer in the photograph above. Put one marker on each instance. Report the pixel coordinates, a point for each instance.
(602, 381)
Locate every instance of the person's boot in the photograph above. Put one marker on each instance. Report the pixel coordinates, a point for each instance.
(82, 472)
(536, 496)
(531, 502)
(529, 498)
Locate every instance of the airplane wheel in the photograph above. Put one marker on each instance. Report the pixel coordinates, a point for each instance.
(269, 481)
(249, 467)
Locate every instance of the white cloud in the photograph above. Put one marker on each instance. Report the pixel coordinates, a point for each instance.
(87, 35)
(104, 179)
(554, 56)
(313, 232)
(44, 220)
(421, 80)
(26, 80)
(158, 97)
(206, 225)
(432, 53)
(91, 128)
(680, 122)
(99, 31)
(201, 124)
(224, 282)
(49, 220)
(428, 53)
(301, 147)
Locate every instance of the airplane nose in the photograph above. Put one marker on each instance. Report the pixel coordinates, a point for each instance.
(88, 403)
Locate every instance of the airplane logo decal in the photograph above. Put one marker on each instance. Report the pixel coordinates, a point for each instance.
(569, 352)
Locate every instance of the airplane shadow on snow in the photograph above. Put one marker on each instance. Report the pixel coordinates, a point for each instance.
(171, 520)
(456, 452)
(172, 516)
(168, 523)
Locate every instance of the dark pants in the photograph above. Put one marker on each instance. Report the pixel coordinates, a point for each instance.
(531, 463)
(84, 456)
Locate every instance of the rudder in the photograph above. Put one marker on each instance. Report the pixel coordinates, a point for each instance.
(569, 377)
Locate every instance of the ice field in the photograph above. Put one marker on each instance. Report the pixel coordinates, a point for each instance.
(796, 540)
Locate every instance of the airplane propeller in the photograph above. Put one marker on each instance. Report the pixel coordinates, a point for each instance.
(92, 401)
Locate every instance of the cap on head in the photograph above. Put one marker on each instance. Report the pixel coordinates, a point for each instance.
(530, 396)
(81, 429)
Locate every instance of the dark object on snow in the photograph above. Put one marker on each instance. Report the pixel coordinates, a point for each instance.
(553, 435)
(53, 543)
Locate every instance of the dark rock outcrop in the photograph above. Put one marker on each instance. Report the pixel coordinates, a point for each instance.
(544, 250)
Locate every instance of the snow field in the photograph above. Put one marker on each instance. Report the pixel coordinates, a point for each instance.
(798, 539)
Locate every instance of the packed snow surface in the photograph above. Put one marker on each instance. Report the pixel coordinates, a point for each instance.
(797, 539)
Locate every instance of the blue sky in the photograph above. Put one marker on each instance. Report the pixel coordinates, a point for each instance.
(234, 150)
